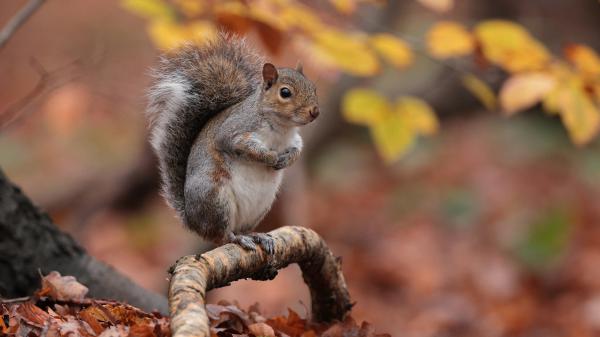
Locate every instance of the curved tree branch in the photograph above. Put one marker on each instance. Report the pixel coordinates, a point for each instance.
(193, 276)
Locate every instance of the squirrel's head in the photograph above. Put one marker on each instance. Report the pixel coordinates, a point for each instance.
(289, 95)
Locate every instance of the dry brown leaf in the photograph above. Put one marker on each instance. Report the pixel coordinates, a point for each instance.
(91, 317)
(292, 325)
(261, 329)
(115, 331)
(62, 288)
(32, 315)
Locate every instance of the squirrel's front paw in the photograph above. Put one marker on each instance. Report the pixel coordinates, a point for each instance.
(271, 158)
(286, 158)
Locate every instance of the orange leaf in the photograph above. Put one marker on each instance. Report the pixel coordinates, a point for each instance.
(584, 58)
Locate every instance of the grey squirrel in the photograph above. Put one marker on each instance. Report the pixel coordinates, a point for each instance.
(223, 124)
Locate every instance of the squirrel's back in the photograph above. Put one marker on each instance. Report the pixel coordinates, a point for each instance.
(192, 84)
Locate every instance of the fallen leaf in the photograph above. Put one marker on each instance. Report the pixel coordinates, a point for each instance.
(292, 325)
(63, 288)
(32, 315)
(115, 331)
(522, 91)
(261, 329)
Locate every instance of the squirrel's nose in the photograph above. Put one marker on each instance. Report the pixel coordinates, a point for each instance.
(314, 112)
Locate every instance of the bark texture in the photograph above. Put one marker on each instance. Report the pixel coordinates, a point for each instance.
(194, 275)
(30, 243)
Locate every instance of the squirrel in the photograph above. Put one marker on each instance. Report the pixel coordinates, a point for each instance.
(223, 125)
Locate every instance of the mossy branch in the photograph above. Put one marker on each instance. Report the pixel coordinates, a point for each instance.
(192, 276)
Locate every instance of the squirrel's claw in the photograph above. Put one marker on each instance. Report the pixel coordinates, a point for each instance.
(245, 241)
(249, 241)
(265, 241)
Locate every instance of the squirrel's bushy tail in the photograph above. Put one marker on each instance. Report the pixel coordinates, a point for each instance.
(191, 85)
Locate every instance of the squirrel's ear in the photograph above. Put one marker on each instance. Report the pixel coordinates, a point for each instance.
(300, 68)
(269, 75)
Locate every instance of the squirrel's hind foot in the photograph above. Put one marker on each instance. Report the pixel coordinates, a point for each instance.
(249, 241)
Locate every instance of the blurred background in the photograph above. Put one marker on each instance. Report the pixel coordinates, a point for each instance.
(455, 166)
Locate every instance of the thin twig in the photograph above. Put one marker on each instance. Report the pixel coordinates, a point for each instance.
(48, 81)
(15, 300)
(18, 20)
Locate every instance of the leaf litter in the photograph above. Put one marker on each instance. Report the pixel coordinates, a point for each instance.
(60, 309)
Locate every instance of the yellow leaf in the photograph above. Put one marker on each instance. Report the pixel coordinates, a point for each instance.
(364, 107)
(299, 16)
(522, 91)
(480, 90)
(550, 102)
(229, 7)
(191, 8)
(419, 115)
(448, 39)
(394, 133)
(346, 51)
(510, 46)
(392, 49)
(392, 137)
(579, 114)
(266, 13)
(169, 35)
(344, 6)
(584, 58)
(563, 74)
(439, 6)
(149, 9)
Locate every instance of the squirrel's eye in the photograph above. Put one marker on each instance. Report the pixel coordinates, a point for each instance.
(285, 92)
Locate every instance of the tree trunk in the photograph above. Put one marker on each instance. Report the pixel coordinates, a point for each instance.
(31, 244)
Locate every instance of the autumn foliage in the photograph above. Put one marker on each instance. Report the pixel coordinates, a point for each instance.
(567, 85)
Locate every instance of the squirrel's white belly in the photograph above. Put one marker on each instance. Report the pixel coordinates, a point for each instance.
(254, 188)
